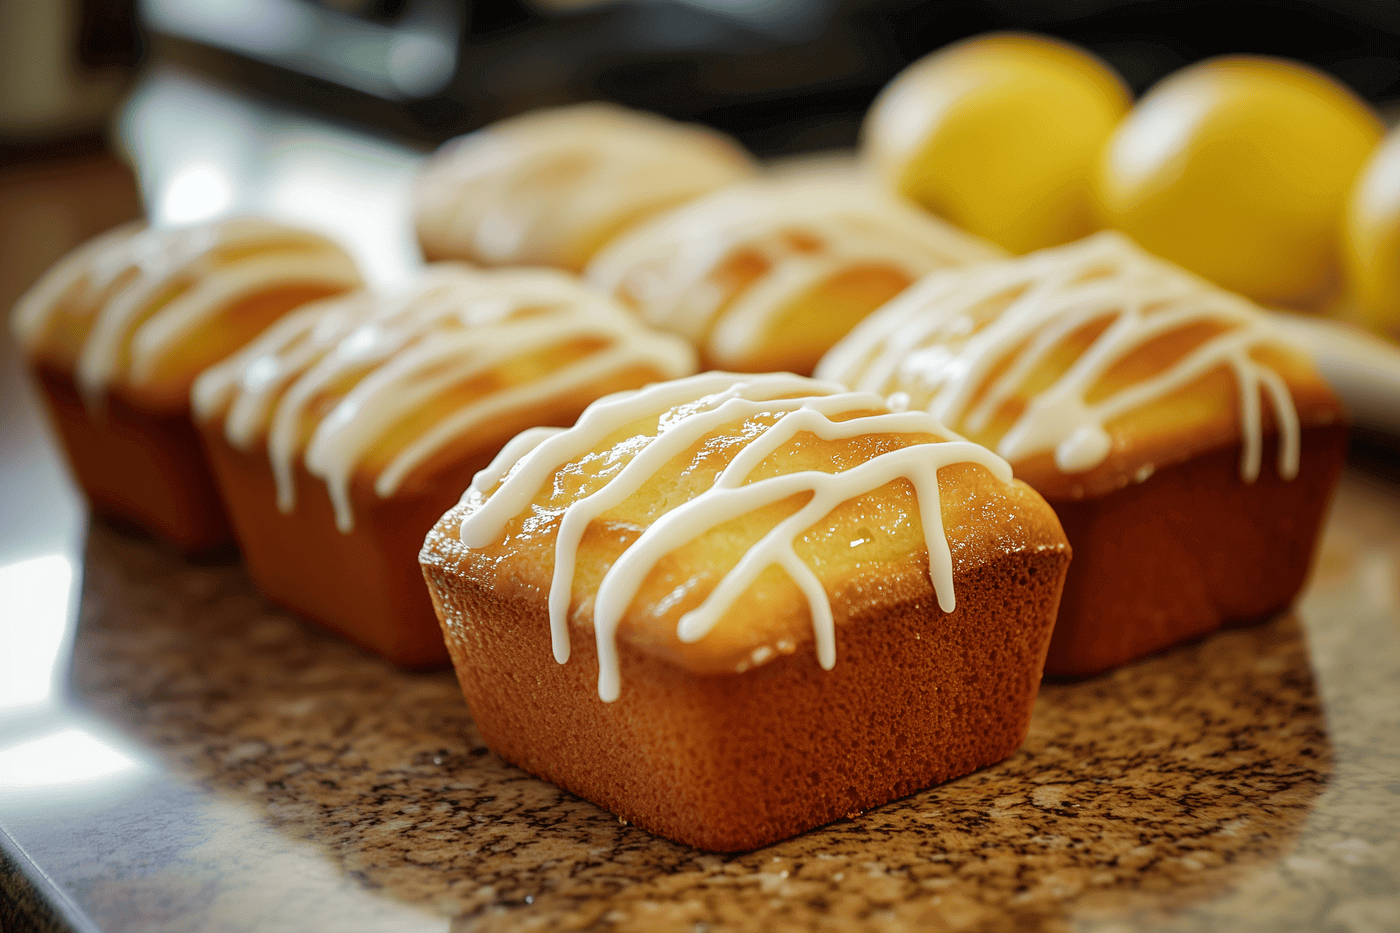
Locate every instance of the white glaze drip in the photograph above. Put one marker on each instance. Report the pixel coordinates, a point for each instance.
(931, 344)
(249, 383)
(401, 354)
(712, 401)
(148, 289)
(530, 189)
(70, 282)
(806, 226)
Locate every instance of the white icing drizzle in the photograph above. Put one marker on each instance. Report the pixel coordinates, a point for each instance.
(249, 383)
(528, 189)
(931, 344)
(149, 288)
(808, 226)
(712, 401)
(399, 354)
(60, 285)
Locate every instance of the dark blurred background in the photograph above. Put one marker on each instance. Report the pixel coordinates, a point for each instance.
(317, 111)
(782, 75)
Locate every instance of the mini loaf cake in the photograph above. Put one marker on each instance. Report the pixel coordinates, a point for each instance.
(117, 332)
(1189, 449)
(767, 275)
(731, 608)
(551, 186)
(343, 433)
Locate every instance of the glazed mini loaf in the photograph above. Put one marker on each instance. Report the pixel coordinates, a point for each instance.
(767, 275)
(551, 186)
(732, 608)
(343, 433)
(1189, 449)
(117, 332)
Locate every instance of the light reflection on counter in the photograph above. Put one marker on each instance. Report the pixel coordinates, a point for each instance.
(34, 599)
(86, 811)
(52, 756)
(67, 756)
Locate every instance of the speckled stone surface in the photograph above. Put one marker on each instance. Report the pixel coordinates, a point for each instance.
(29, 902)
(1248, 782)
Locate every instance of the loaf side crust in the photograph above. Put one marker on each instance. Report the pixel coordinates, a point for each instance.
(137, 465)
(365, 585)
(983, 518)
(735, 761)
(1190, 549)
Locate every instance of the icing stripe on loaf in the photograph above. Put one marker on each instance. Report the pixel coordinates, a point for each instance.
(713, 401)
(147, 289)
(933, 344)
(533, 188)
(807, 228)
(403, 354)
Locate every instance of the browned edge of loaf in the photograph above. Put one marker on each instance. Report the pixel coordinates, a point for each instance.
(140, 466)
(732, 762)
(366, 585)
(1189, 550)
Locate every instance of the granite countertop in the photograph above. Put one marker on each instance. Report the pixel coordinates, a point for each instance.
(1248, 782)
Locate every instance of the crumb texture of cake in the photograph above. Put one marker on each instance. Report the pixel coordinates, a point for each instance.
(344, 431)
(118, 330)
(730, 608)
(768, 274)
(1110, 378)
(551, 186)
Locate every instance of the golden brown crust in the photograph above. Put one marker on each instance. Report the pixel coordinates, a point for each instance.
(141, 466)
(118, 330)
(1199, 419)
(1161, 416)
(768, 275)
(443, 470)
(728, 762)
(865, 662)
(1087, 365)
(552, 186)
(365, 585)
(1187, 551)
(871, 657)
(366, 416)
(142, 311)
(983, 519)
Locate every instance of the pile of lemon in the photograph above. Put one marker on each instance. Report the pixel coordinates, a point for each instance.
(1263, 175)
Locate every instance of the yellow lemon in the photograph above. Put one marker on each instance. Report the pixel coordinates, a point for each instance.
(998, 135)
(1371, 246)
(1238, 169)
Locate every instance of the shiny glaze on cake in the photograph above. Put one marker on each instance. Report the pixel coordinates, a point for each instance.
(645, 476)
(1089, 366)
(757, 271)
(143, 309)
(388, 386)
(550, 186)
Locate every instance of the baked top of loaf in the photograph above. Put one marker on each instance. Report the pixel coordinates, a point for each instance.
(1089, 366)
(739, 268)
(394, 387)
(722, 521)
(550, 186)
(143, 310)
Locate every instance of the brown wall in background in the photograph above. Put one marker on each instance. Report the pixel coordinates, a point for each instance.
(48, 207)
